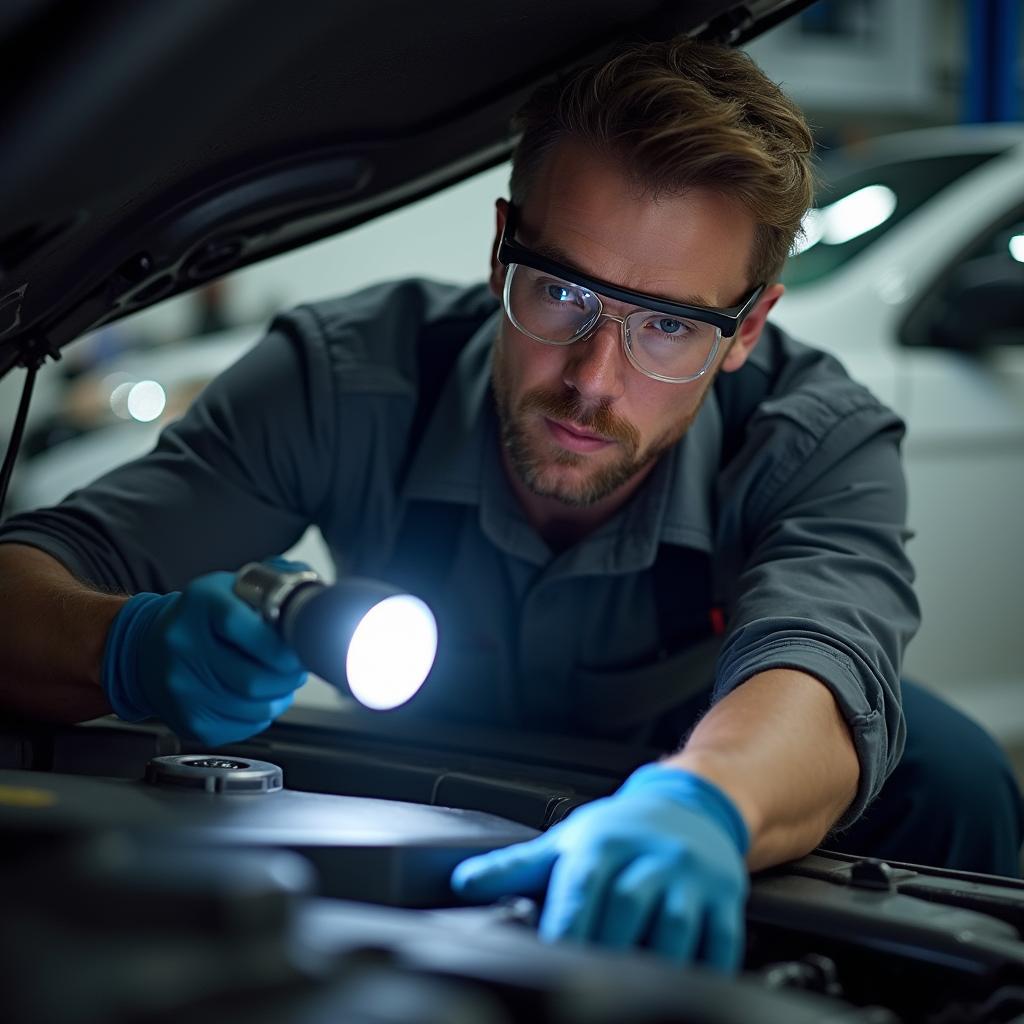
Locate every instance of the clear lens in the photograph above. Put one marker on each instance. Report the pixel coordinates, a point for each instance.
(549, 308)
(391, 652)
(556, 311)
(670, 347)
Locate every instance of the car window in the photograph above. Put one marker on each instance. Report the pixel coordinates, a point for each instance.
(976, 302)
(858, 206)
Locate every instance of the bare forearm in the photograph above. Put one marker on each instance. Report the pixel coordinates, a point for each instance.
(52, 632)
(779, 747)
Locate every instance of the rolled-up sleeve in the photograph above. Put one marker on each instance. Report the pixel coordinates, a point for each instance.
(825, 586)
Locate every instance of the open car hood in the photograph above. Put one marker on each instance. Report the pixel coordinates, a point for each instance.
(148, 148)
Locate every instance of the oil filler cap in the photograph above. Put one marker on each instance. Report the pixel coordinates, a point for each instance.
(214, 773)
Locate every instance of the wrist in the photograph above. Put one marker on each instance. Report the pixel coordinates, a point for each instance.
(119, 674)
(694, 791)
(101, 615)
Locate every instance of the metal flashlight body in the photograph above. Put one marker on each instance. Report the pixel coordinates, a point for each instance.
(363, 636)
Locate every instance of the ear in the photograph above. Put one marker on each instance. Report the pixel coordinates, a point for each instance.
(497, 278)
(750, 330)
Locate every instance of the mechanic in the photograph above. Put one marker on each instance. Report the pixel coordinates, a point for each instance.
(640, 511)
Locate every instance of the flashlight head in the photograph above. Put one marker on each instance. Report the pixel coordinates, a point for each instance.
(391, 652)
(363, 636)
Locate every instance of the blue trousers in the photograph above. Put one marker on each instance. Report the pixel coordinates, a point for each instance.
(952, 801)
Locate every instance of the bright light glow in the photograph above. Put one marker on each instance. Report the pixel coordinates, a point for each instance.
(146, 400)
(113, 380)
(812, 227)
(119, 399)
(391, 652)
(857, 213)
(1017, 248)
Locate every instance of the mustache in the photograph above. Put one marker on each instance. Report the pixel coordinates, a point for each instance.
(568, 406)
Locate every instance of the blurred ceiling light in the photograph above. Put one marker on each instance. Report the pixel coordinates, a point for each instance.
(146, 401)
(114, 380)
(846, 218)
(812, 227)
(857, 213)
(1017, 248)
(119, 399)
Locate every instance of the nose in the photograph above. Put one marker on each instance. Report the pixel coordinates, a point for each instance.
(595, 368)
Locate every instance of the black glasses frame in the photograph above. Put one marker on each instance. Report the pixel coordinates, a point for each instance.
(726, 320)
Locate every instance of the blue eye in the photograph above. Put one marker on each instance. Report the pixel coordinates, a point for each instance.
(563, 294)
(667, 326)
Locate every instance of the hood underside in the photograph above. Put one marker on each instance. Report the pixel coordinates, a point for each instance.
(151, 147)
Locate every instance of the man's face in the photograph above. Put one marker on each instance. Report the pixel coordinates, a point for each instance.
(579, 423)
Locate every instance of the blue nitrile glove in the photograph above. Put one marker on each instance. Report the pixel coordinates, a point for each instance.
(201, 660)
(659, 863)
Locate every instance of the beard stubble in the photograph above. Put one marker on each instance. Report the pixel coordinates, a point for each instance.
(530, 458)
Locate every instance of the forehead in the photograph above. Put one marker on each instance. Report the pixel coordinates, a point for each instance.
(585, 210)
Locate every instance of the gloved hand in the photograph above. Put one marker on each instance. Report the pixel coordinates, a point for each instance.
(202, 661)
(659, 863)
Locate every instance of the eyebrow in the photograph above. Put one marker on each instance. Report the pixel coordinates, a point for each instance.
(553, 252)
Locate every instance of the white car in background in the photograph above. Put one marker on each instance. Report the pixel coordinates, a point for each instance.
(912, 273)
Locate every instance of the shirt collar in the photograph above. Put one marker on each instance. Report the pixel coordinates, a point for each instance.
(458, 462)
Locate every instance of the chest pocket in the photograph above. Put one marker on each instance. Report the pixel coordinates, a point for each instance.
(658, 702)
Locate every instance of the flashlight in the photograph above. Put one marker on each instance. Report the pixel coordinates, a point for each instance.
(363, 636)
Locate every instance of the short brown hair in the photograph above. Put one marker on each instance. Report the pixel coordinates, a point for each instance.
(680, 114)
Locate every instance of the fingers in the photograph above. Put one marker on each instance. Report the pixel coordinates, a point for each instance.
(194, 683)
(652, 900)
(678, 923)
(240, 675)
(210, 667)
(230, 675)
(723, 940)
(633, 869)
(231, 621)
(520, 869)
(633, 899)
(238, 624)
(695, 924)
(595, 898)
(270, 688)
(576, 893)
(216, 727)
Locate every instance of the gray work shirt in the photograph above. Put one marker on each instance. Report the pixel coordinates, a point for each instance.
(796, 543)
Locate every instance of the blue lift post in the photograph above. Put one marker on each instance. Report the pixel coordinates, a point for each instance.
(990, 84)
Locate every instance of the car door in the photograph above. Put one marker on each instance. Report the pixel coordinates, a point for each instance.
(962, 352)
